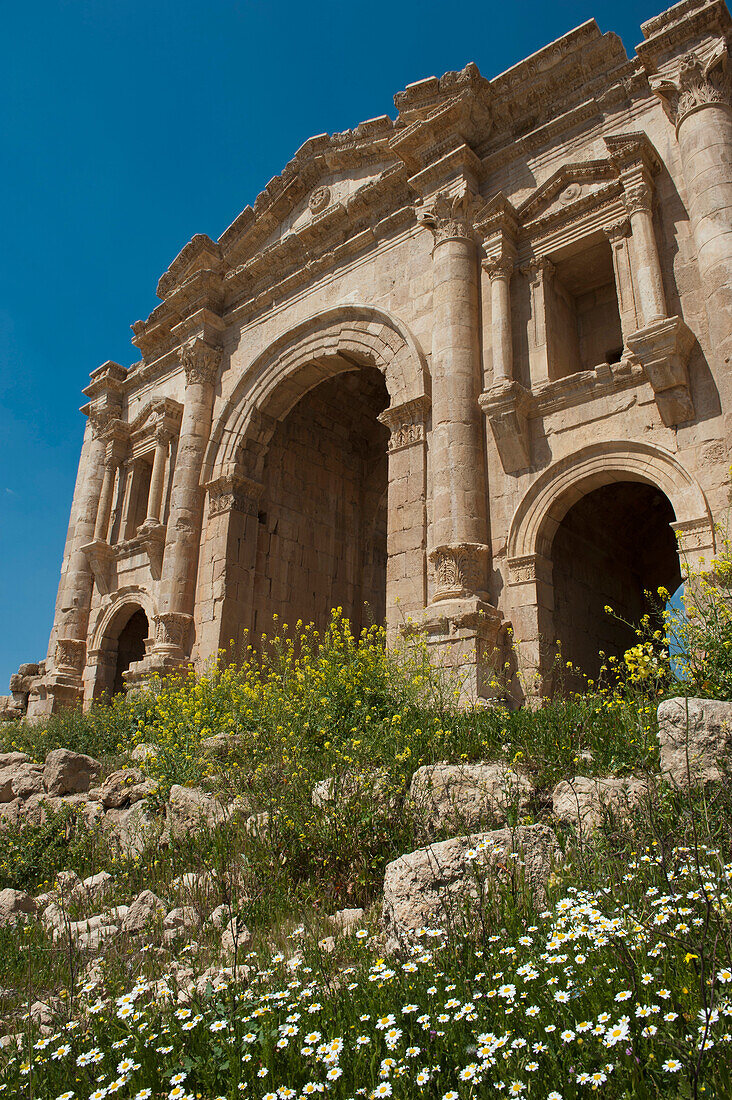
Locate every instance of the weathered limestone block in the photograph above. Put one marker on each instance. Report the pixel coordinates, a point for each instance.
(345, 920)
(15, 905)
(123, 788)
(20, 781)
(190, 808)
(146, 908)
(696, 739)
(439, 885)
(463, 795)
(134, 828)
(583, 802)
(183, 918)
(66, 772)
(236, 937)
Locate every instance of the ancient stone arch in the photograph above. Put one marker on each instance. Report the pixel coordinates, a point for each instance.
(112, 618)
(326, 344)
(545, 505)
(337, 341)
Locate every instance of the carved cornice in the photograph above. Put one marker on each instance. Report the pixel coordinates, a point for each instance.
(200, 362)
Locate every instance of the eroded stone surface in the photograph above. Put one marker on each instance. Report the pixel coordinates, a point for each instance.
(462, 796)
(67, 772)
(696, 739)
(584, 802)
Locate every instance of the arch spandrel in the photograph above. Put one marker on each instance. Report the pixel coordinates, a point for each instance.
(329, 343)
(552, 495)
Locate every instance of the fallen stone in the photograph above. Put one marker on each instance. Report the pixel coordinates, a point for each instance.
(41, 1013)
(97, 937)
(696, 739)
(123, 788)
(347, 919)
(20, 781)
(257, 825)
(144, 752)
(15, 905)
(439, 885)
(583, 802)
(236, 937)
(146, 908)
(185, 917)
(220, 916)
(67, 772)
(462, 796)
(10, 758)
(98, 886)
(190, 808)
(133, 829)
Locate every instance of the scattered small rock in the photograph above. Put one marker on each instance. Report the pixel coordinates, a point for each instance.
(236, 936)
(190, 808)
(143, 911)
(123, 788)
(15, 905)
(347, 919)
(582, 801)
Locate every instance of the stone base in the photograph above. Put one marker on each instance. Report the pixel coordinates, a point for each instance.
(463, 637)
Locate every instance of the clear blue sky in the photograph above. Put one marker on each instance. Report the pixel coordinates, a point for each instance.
(128, 126)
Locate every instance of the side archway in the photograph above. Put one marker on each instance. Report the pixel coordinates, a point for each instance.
(119, 638)
(599, 527)
(298, 378)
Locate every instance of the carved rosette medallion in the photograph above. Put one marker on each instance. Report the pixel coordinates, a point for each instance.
(70, 657)
(406, 423)
(450, 217)
(171, 632)
(459, 570)
(233, 493)
(319, 200)
(200, 362)
(698, 84)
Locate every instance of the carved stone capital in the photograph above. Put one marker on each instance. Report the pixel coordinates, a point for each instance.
(639, 198)
(406, 422)
(499, 267)
(70, 657)
(460, 570)
(450, 216)
(698, 83)
(233, 493)
(172, 630)
(538, 271)
(200, 362)
(617, 231)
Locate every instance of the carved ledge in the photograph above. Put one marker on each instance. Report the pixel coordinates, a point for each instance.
(101, 557)
(151, 538)
(507, 407)
(233, 493)
(460, 570)
(663, 350)
(406, 422)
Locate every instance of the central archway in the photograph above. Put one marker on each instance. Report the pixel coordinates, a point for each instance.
(322, 523)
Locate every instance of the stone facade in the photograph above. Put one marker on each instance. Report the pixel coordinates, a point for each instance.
(470, 367)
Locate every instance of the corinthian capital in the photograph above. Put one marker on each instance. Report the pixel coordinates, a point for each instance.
(200, 361)
(450, 215)
(697, 84)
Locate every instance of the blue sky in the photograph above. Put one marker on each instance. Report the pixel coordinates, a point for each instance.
(127, 127)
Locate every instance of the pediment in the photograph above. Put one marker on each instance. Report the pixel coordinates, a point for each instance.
(573, 187)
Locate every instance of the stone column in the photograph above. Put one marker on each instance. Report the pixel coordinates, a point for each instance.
(699, 103)
(104, 509)
(618, 234)
(157, 479)
(644, 251)
(461, 625)
(180, 559)
(539, 273)
(459, 521)
(499, 271)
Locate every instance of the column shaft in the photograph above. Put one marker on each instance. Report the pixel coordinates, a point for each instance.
(104, 509)
(459, 514)
(155, 495)
(501, 326)
(646, 264)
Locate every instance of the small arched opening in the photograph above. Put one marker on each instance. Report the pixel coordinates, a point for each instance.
(130, 647)
(611, 547)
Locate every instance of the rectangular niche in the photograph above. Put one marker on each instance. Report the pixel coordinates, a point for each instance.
(582, 316)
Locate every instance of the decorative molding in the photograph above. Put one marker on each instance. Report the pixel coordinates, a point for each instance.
(200, 361)
(617, 231)
(694, 535)
(459, 570)
(501, 267)
(233, 493)
(101, 557)
(523, 570)
(506, 406)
